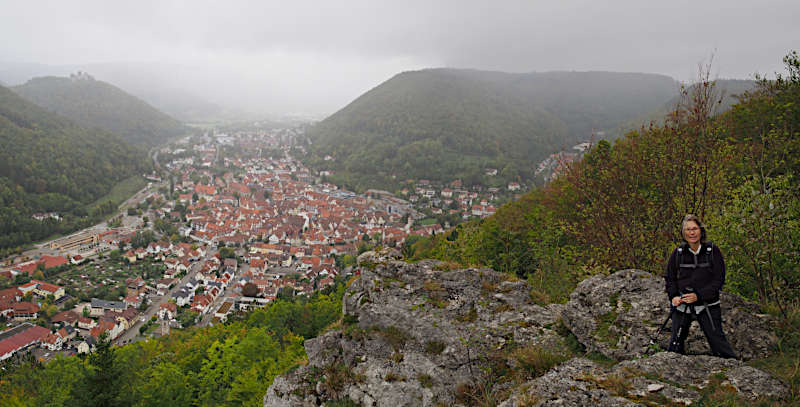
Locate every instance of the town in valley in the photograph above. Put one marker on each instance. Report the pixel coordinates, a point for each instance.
(227, 222)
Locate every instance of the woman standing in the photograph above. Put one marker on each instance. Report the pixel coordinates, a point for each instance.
(695, 275)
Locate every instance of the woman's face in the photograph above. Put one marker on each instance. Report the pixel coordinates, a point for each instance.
(691, 232)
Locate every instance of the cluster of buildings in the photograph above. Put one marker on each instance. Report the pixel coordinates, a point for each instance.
(16, 303)
(29, 267)
(453, 198)
(69, 329)
(275, 201)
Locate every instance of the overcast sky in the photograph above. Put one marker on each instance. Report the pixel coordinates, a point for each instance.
(316, 56)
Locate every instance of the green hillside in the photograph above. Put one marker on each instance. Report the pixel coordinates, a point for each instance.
(93, 103)
(444, 124)
(620, 206)
(49, 164)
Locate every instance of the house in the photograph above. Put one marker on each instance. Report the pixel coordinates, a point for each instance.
(12, 294)
(182, 266)
(230, 264)
(201, 303)
(27, 288)
(87, 345)
(114, 330)
(127, 318)
(68, 332)
(171, 262)
(66, 318)
(23, 311)
(192, 284)
(224, 310)
(167, 310)
(164, 285)
(141, 253)
(327, 281)
(135, 286)
(53, 341)
(130, 256)
(99, 307)
(6, 307)
(86, 323)
(133, 301)
(182, 296)
(43, 289)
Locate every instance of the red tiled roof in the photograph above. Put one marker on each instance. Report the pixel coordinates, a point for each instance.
(169, 306)
(23, 339)
(101, 327)
(25, 308)
(66, 316)
(48, 287)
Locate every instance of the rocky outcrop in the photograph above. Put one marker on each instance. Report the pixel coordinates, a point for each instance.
(663, 377)
(424, 335)
(617, 315)
(415, 334)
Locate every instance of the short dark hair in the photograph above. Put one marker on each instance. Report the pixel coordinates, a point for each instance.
(698, 222)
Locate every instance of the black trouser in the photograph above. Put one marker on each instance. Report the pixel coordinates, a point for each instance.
(714, 334)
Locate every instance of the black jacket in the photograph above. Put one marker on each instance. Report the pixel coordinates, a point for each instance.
(705, 272)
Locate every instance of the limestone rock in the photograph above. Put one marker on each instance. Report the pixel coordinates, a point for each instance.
(424, 335)
(414, 332)
(617, 315)
(674, 377)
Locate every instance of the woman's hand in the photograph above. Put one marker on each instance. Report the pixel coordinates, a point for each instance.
(689, 298)
(676, 301)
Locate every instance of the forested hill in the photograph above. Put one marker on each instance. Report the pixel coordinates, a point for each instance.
(93, 103)
(50, 164)
(620, 206)
(446, 123)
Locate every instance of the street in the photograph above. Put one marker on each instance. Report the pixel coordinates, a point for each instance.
(131, 334)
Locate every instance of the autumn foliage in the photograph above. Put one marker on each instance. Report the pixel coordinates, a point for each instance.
(621, 205)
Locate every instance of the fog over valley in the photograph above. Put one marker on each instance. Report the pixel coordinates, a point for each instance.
(311, 58)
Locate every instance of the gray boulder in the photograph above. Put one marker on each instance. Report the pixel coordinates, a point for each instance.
(617, 315)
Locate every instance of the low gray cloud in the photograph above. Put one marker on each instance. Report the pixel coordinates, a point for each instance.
(316, 56)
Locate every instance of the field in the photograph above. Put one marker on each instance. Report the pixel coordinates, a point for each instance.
(122, 191)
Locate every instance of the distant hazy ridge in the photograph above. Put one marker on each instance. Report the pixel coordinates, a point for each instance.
(446, 124)
(93, 103)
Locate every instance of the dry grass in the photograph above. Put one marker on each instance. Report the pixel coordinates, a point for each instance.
(396, 357)
(393, 377)
(470, 316)
(534, 361)
(435, 347)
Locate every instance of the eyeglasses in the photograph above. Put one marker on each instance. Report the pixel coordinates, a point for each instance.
(692, 229)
